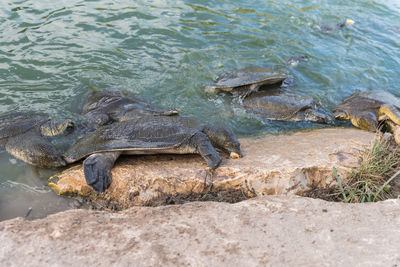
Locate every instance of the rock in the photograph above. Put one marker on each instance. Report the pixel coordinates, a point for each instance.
(263, 231)
(284, 164)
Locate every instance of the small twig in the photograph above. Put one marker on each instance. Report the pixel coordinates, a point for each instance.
(209, 173)
(28, 212)
(385, 184)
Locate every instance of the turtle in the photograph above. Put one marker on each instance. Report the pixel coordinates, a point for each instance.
(286, 106)
(148, 135)
(107, 106)
(244, 82)
(338, 26)
(295, 60)
(22, 136)
(366, 109)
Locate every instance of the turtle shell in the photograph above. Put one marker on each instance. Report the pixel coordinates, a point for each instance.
(145, 133)
(248, 76)
(370, 100)
(16, 123)
(113, 102)
(278, 105)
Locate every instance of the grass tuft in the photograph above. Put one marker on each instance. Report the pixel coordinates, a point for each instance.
(371, 182)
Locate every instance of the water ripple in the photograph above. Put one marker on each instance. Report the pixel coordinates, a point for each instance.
(168, 50)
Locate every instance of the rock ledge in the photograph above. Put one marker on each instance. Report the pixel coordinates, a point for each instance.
(263, 231)
(284, 164)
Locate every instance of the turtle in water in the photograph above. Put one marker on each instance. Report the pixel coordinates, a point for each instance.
(104, 107)
(271, 103)
(148, 135)
(295, 60)
(366, 109)
(329, 28)
(286, 106)
(22, 136)
(243, 82)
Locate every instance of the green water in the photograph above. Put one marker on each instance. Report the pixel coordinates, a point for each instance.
(53, 52)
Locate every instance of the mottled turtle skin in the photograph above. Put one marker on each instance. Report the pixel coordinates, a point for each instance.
(365, 109)
(286, 106)
(243, 82)
(104, 107)
(22, 136)
(144, 136)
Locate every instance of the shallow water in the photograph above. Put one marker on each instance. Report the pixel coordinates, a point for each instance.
(54, 52)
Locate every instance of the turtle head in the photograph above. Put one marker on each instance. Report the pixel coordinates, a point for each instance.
(210, 89)
(224, 138)
(341, 114)
(53, 128)
(365, 120)
(319, 116)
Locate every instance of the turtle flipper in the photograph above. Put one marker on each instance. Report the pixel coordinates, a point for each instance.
(94, 120)
(97, 169)
(205, 149)
(244, 91)
(34, 149)
(391, 111)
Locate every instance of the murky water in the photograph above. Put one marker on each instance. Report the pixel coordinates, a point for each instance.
(54, 52)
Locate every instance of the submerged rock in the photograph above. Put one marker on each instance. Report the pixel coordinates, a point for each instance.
(284, 164)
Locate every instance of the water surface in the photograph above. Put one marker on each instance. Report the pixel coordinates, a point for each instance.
(52, 53)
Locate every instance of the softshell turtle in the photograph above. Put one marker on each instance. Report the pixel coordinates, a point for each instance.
(104, 107)
(365, 109)
(295, 60)
(22, 136)
(148, 135)
(338, 26)
(282, 105)
(243, 82)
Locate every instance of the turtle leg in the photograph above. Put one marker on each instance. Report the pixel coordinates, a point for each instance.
(243, 91)
(97, 169)
(34, 149)
(205, 149)
(391, 111)
(93, 121)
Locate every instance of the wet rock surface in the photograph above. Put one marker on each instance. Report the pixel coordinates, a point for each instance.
(284, 164)
(267, 230)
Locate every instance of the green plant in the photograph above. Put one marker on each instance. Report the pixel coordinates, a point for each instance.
(371, 181)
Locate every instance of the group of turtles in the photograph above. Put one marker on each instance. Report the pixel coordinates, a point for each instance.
(115, 123)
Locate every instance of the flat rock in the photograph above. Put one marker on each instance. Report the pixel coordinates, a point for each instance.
(284, 164)
(263, 231)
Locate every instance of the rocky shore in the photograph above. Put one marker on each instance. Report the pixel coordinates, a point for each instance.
(272, 165)
(273, 228)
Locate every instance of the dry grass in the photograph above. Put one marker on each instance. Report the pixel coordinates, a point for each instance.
(371, 182)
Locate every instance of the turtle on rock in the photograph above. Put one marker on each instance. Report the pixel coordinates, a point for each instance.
(22, 135)
(145, 135)
(367, 109)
